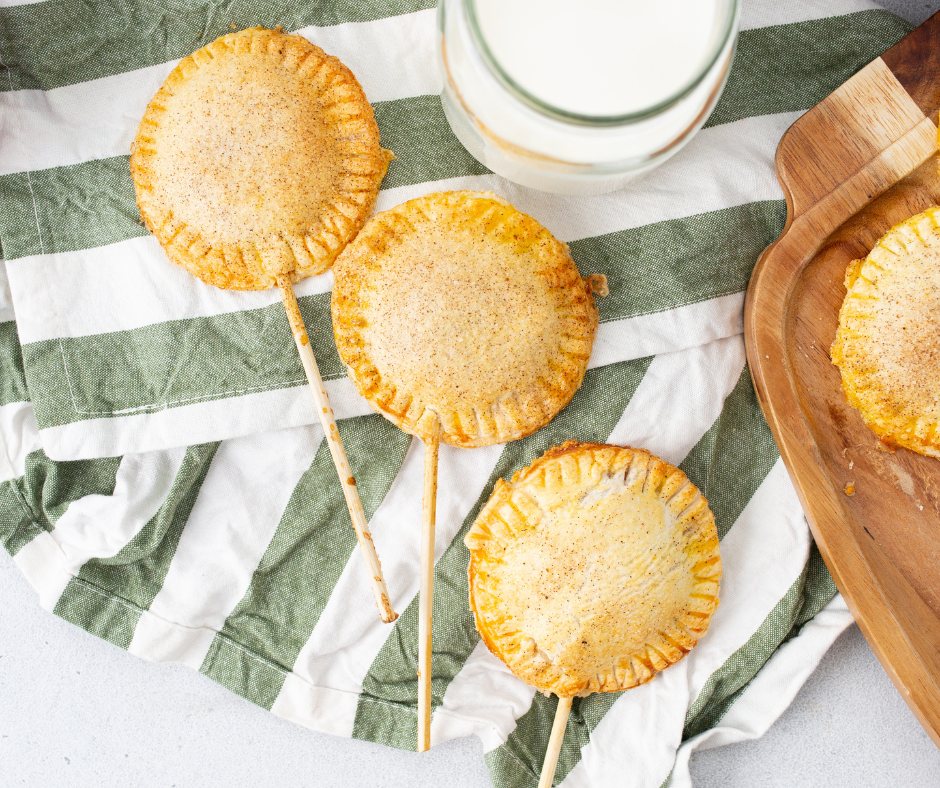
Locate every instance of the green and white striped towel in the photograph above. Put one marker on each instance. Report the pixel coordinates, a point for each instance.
(220, 538)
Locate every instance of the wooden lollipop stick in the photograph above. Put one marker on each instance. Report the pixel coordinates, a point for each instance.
(426, 593)
(335, 443)
(554, 742)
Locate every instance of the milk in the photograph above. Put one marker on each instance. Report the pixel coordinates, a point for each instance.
(578, 97)
(599, 57)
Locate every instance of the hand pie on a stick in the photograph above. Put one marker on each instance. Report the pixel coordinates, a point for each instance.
(255, 163)
(460, 319)
(592, 570)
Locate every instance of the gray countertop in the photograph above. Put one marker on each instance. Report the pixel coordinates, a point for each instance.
(76, 711)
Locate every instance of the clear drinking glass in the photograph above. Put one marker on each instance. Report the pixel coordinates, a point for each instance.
(583, 145)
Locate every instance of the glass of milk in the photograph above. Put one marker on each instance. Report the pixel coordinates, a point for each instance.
(579, 97)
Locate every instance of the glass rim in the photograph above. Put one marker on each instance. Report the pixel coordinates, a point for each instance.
(727, 31)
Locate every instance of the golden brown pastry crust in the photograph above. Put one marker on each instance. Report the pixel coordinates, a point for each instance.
(887, 345)
(457, 304)
(593, 569)
(258, 156)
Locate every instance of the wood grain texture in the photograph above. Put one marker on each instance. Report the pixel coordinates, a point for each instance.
(914, 62)
(557, 738)
(859, 162)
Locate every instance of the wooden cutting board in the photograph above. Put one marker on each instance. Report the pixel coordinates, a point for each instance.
(859, 162)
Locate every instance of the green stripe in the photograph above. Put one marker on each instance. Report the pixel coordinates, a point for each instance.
(97, 612)
(176, 363)
(819, 591)
(731, 460)
(135, 574)
(425, 148)
(243, 672)
(111, 38)
(18, 219)
(777, 69)
(728, 464)
(788, 68)
(300, 568)
(92, 204)
(663, 265)
(47, 488)
(34, 502)
(649, 269)
(17, 527)
(386, 706)
(518, 762)
(508, 771)
(809, 594)
(63, 209)
(12, 376)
